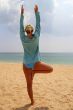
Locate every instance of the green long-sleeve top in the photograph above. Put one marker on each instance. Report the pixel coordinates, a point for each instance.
(30, 46)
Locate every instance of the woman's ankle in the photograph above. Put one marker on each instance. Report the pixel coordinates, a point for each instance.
(32, 102)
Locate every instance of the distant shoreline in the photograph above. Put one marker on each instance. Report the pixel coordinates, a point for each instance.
(50, 58)
(40, 52)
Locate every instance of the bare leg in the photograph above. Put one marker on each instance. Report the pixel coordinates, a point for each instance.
(41, 67)
(33, 73)
(29, 79)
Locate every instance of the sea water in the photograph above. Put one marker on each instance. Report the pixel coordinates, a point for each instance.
(51, 58)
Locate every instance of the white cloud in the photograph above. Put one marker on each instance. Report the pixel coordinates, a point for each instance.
(4, 4)
(72, 16)
(49, 43)
(68, 2)
(56, 3)
(10, 13)
(29, 18)
(63, 21)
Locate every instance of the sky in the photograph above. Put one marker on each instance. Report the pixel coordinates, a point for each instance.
(56, 24)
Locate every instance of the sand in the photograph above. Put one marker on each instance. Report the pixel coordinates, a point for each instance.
(52, 91)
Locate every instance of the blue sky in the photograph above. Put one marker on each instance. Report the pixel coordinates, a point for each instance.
(56, 24)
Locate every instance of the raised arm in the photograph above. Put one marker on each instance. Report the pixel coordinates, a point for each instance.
(22, 33)
(37, 15)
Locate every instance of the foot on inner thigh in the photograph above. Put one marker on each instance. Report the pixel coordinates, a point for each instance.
(42, 67)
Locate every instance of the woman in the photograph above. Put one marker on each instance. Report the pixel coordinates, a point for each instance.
(31, 60)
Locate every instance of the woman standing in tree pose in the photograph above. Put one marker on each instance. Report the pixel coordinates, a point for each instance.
(31, 60)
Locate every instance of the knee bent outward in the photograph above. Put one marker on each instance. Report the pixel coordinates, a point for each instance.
(50, 70)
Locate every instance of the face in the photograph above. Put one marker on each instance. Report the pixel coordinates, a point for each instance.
(29, 33)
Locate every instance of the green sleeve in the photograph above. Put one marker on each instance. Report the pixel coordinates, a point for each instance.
(22, 33)
(37, 28)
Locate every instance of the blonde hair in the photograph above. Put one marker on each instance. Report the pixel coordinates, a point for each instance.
(29, 27)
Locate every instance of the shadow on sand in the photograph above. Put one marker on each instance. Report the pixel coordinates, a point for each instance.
(41, 108)
(26, 107)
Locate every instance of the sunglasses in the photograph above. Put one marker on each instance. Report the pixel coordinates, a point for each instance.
(29, 31)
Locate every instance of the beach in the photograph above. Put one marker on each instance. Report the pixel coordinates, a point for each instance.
(52, 91)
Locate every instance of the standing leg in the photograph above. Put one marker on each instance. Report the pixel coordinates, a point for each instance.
(33, 73)
(41, 67)
(29, 80)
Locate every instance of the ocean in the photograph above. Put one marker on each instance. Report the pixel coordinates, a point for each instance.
(50, 58)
